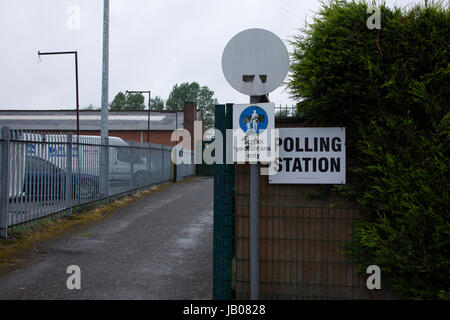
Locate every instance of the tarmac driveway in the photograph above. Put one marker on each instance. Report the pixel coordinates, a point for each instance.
(157, 247)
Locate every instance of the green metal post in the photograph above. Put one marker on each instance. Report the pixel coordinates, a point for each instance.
(219, 209)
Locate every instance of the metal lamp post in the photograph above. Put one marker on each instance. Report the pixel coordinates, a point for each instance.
(76, 80)
(75, 53)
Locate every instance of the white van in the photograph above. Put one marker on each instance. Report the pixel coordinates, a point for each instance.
(121, 156)
(16, 169)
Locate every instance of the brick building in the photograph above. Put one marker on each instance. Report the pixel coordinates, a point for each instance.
(128, 125)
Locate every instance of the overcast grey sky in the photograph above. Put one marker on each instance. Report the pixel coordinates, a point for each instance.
(154, 44)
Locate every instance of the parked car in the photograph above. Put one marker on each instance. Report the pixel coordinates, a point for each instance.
(121, 156)
(45, 180)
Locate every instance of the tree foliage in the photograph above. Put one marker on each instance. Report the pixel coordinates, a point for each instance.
(128, 101)
(90, 107)
(193, 92)
(157, 103)
(390, 88)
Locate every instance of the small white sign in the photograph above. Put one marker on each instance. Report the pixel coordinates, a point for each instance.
(309, 156)
(253, 139)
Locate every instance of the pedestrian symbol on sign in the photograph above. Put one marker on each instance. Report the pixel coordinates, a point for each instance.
(253, 120)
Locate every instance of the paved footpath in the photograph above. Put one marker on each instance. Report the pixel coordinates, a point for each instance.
(157, 247)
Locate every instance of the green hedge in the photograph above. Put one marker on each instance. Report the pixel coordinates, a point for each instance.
(390, 88)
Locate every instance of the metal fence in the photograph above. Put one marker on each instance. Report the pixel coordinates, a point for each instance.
(287, 111)
(184, 170)
(304, 234)
(204, 169)
(43, 174)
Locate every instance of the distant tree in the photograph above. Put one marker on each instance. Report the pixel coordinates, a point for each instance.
(185, 92)
(135, 101)
(129, 101)
(90, 107)
(119, 102)
(157, 103)
(193, 92)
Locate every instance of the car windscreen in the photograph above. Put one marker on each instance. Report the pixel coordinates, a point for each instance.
(127, 154)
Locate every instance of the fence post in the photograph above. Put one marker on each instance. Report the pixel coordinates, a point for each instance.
(162, 163)
(106, 164)
(193, 171)
(228, 203)
(219, 214)
(173, 165)
(149, 162)
(4, 192)
(69, 174)
(104, 168)
(229, 199)
(131, 158)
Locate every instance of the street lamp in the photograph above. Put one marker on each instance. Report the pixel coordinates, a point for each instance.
(149, 101)
(78, 107)
(76, 80)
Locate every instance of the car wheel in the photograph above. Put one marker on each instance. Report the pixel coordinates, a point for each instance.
(87, 189)
(140, 179)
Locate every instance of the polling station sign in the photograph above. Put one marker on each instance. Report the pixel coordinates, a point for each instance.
(309, 156)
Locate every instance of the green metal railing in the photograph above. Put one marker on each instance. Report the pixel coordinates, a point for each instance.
(224, 236)
(204, 169)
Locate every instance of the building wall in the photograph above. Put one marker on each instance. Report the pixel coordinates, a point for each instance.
(131, 127)
(157, 137)
(190, 115)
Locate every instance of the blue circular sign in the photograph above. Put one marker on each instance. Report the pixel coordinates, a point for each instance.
(253, 120)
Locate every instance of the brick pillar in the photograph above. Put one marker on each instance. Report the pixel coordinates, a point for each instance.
(190, 115)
